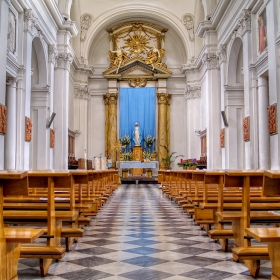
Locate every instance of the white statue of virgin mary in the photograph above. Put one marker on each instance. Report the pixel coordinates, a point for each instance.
(137, 135)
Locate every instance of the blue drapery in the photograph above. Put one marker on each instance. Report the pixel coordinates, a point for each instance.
(137, 105)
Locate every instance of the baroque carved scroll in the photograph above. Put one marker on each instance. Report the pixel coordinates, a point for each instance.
(3, 119)
(246, 129)
(52, 138)
(222, 138)
(272, 119)
(28, 129)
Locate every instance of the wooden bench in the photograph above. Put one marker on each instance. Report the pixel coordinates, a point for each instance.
(13, 183)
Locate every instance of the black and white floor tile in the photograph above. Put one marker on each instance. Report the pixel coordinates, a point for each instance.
(139, 234)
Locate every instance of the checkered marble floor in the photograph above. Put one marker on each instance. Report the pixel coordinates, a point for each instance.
(140, 234)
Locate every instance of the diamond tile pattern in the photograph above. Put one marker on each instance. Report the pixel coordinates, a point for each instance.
(141, 234)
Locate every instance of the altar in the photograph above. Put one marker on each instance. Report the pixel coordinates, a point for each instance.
(148, 166)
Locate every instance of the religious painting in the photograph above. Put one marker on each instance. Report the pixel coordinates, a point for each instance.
(272, 119)
(222, 138)
(262, 27)
(3, 119)
(11, 44)
(28, 129)
(246, 129)
(52, 138)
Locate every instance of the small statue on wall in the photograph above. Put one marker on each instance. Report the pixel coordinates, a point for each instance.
(52, 138)
(137, 135)
(188, 21)
(222, 138)
(28, 129)
(246, 129)
(3, 119)
(117, 57)
(272, 119)
(86, 21)
(154, 56)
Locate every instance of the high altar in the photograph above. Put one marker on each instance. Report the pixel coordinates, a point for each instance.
(137, 61)
(137, 155)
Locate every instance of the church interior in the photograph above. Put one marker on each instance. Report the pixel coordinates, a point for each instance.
(139, 139)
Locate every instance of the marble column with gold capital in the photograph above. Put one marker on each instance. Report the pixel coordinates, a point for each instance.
(111, 135)
(163, 125)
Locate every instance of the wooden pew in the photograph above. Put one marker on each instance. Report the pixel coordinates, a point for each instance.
(13, 183)
(52, 249)
(241, 220)
(271, 236)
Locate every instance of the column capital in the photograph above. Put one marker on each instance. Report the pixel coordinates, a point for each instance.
(82, 93)
(164, 98)
(211, 61)
(63, 61)
(111, 98)
(11, 81)
(193, 92)
(222, 53)
(30, 21)
(244, 22)
(52, 53)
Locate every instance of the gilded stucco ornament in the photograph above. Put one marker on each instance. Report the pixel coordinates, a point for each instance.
(136, 44)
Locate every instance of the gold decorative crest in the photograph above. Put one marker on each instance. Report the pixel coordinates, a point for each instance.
(135, 44)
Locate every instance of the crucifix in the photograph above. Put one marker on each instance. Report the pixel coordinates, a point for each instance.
(118, 147)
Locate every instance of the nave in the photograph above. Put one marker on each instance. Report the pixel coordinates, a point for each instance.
(140, 234)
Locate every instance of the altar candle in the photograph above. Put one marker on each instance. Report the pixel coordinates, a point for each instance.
(85, 153)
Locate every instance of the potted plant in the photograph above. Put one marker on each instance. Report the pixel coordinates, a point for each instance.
(183, 164)
(192, 164)
(169, 159)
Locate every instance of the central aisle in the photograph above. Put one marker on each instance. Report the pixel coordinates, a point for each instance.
(140, 234)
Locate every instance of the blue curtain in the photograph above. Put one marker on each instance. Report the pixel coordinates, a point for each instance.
(137, 105)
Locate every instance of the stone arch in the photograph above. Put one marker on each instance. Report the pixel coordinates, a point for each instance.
(145, 12)
(235, 63)
(39, 61)
(39, 104)
(234, 103)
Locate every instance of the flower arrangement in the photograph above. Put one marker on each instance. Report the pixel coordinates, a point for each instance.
(149, 141)
(127, 156)
(125, 140)
(147, 155)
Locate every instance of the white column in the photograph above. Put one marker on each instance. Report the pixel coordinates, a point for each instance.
(61, 108)
(81, 120)
(222, 54)
(264, 141)
(29, 28)
(52, 53)
(213, 111)
(4, 12)
(10, 141)
(272, 16)
(251, 147)
(20, 122)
